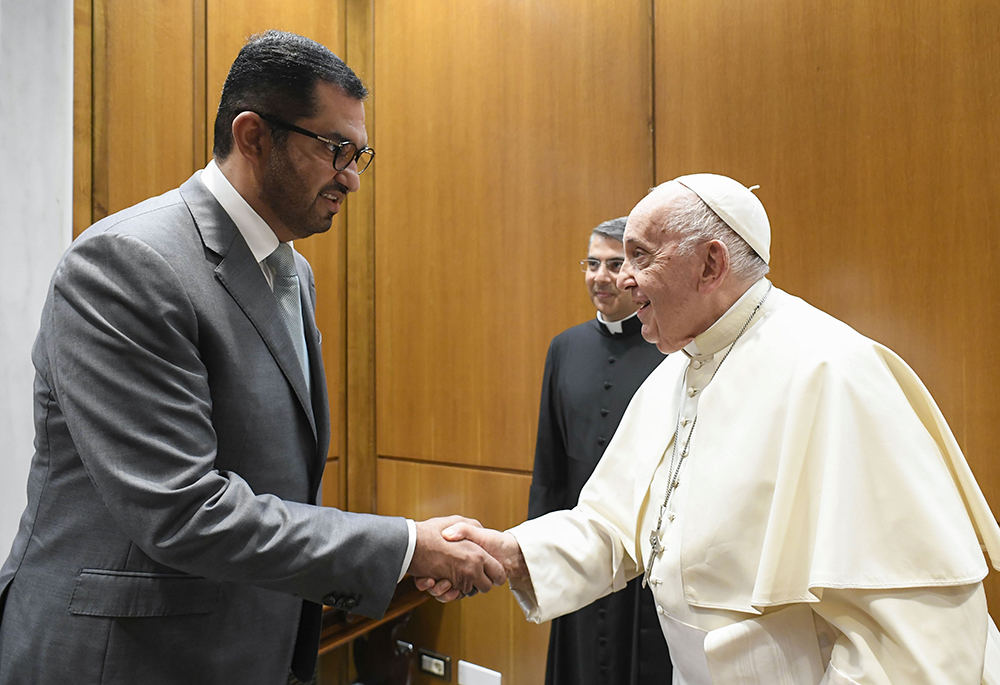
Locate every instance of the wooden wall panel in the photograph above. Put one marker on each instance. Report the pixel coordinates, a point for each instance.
(506, 131)
(228, 24)
(871, 127)
(144, 100)
(83, 124)
(489, 630)
(360, 314)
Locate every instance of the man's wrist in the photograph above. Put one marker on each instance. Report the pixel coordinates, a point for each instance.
(411, 545)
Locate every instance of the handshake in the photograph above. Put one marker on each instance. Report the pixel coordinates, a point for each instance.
(456, 557)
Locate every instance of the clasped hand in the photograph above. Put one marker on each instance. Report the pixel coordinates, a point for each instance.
(455, 556)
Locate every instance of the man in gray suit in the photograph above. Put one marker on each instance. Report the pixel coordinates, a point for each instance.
(172, 533)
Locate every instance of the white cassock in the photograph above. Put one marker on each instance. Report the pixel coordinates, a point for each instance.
(826, 528)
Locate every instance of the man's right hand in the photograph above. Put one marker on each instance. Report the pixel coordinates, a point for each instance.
(501, 546)
(462, 564)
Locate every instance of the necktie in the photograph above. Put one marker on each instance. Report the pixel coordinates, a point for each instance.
(286, 291)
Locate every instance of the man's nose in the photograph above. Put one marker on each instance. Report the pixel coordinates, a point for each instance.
(350, 178)
(604, 274)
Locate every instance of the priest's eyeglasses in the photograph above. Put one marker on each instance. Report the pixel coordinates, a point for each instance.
(343, 153)
(594, 265)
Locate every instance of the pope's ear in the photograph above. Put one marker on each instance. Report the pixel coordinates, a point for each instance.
(715, 264)
(252, 137)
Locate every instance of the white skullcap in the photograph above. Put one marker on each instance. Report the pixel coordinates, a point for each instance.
(736, 205)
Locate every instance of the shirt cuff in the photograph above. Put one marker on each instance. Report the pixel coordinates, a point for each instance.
(411, 528)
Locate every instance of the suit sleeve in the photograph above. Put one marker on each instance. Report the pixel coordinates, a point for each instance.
(549, 477)
(122, 344)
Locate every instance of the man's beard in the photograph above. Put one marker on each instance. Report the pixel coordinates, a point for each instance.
(289, 197)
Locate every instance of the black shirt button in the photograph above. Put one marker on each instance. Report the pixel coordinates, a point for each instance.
(604, 412)
(601, 441)
(611, 360)
(607, 385)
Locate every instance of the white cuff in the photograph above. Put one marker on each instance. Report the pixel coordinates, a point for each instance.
(411, 528)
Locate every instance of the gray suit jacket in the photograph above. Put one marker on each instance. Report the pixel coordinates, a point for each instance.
(171, 533)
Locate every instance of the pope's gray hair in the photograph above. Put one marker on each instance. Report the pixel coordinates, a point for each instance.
(696, 223)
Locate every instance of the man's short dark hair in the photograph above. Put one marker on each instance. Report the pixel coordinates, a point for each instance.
(612, 228)
(276, 73)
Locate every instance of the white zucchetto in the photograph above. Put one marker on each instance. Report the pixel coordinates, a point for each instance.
(736, 205)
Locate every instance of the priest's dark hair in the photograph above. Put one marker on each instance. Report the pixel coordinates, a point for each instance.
(612, 228)
(276, 73)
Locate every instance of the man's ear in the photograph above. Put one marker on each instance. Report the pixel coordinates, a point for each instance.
(252, 138)
(715, 265)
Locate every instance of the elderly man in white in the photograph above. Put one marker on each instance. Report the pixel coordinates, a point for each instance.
(791, 492)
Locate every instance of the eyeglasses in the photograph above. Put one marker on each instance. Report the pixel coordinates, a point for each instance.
(594, 265)
(343, 153)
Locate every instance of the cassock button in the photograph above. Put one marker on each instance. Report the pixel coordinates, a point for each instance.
(611, 360)
(604, 412)
(601, 441)
(607, 385)
(691, 391)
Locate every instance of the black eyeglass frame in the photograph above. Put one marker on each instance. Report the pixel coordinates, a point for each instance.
(333, 146)
(586, 264)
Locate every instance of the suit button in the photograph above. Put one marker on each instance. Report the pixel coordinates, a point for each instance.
(604, 412)
(607, 385)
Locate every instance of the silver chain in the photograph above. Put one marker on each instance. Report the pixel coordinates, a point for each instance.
(675, 463)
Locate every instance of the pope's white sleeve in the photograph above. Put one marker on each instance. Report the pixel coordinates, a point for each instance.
(922, 636)
(573, 556)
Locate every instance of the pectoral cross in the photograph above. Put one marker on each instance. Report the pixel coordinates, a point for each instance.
(655, 549)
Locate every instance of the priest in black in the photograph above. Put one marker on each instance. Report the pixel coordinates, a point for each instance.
(591, 372)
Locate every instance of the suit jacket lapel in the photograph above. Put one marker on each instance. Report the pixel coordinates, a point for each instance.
(240, 274)
(320, 403)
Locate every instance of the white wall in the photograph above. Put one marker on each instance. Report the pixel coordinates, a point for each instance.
(36, 181)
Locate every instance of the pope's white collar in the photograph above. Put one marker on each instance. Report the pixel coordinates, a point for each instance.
(727, 327)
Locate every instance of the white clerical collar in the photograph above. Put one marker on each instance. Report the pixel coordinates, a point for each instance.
(725, 330)
(615, 326)
(255, 231)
